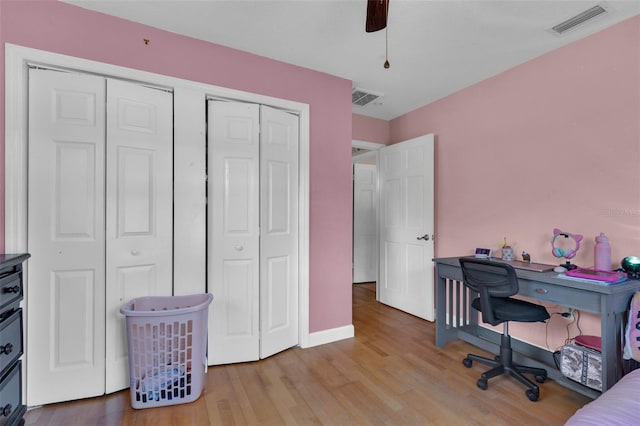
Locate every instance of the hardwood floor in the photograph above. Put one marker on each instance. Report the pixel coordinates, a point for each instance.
(391, 373)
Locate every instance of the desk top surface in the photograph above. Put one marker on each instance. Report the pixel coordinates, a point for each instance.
(551, 277)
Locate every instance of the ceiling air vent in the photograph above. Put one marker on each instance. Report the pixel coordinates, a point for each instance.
(579, 19)
(361, 97)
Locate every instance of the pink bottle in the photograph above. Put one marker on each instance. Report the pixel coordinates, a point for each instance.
(602, 253)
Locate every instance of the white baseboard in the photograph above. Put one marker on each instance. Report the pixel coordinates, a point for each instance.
(328, 336)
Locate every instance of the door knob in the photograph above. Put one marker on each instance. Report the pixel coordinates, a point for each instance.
(135, 252)
(424, 237)
(238, 247)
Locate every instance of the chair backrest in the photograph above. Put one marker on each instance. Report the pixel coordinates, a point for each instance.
(489, 279)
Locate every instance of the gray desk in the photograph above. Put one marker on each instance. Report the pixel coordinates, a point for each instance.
(456, 320)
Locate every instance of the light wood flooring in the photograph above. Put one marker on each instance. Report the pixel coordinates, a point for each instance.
(391, 373)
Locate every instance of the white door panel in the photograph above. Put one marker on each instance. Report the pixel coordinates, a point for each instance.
(233, 264)
(365, 225)
(138, 209)
(238, 279)
(71, 333)
(407, 206)
(279, 231)
(65, 315)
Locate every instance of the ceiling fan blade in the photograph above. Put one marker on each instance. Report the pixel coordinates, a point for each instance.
(377, 11)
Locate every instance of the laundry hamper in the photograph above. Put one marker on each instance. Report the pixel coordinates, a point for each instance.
(167, 342)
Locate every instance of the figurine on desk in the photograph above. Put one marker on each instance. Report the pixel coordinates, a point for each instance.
(526, 257)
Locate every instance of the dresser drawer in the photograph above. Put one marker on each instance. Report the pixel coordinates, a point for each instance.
(11, 408)
(10, 288)
(10, 339)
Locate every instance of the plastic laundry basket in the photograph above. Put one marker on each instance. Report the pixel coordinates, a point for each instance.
(167, 341)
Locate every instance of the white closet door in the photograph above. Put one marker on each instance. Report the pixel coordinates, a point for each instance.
(278, 231)
(95, 249)
(66, 303)
(233, 240)
(138, 210)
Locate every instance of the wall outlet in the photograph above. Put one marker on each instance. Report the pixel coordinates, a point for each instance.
(568, 313)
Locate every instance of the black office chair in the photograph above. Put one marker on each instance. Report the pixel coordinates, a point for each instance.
(495, 282)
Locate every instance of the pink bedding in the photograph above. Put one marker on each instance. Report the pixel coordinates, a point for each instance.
(619, 405)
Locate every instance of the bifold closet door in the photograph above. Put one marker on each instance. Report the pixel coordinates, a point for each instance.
(233, 231)
(252, 231)
(139, 209)
(99, 226)
(66, 237)
(279, 136)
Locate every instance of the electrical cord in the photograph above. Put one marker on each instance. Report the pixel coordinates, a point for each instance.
(569, 339)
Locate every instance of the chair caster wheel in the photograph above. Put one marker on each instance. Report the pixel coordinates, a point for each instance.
(540, 378)
(467, 362)
(532, 395)
(482, 384)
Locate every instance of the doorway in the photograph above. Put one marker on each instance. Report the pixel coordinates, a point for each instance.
(365, 211)
(404, 220)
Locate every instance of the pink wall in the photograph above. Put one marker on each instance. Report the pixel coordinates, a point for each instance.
(554, 142)
(370, 129)
(62, 28)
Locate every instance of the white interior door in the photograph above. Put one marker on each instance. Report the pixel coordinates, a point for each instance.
(365, 223)
(233, 218)
(66, 295)
(96, 248)
(406, 227)
(139, 219)
(278, 230)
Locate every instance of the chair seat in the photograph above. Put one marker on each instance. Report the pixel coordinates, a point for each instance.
(510, 309)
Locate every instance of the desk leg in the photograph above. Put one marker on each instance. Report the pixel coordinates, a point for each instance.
(611, 333)
(442, 336)
(452, 312)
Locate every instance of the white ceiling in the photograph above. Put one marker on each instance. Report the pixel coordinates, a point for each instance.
(435, 47)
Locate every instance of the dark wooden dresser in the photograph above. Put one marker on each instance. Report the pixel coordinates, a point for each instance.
(11, 342)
